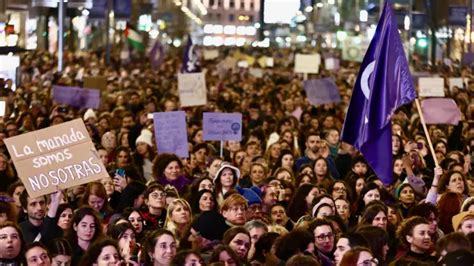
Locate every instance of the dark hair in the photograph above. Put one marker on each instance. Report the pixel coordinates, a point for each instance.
(20, 233)
(221, 248)
(424, 210)
(406, 228)
(154, 186)
(232, 232)
(264, 245)
(59, 246)
(150, 243)
(161, 162)
(355, 239)
(319, 222)
(453, 241)
(93, 253)
(449, 205)
(298, 206)
(34, 245)
(79, 214)
(180, 258)
(371, 211)
(360, 201)
(444, 181)
(377, 239)
(302, 260)
(197, 197)
(352, 256)
(292, 243)
(116, 231)
(24, 199)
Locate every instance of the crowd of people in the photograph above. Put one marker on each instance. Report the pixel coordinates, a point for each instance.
(289, 193)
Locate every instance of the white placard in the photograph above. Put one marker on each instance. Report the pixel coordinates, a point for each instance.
(8, 68)
(431, 87)
(331, 63)
(3, 106)
(256, 72)
(270, 62)
(192, 89)
(458, 82)
(243, 64)
(210, 54)
(307, 63)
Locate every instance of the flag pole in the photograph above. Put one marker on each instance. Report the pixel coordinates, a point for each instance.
(221, 153)
(425, 129)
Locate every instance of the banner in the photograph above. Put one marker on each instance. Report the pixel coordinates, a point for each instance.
(431, 87)
(307, 63)
(60, 156)
(222, 126)
(192, 89)
(457, 15)
(322, 91)
(440, 111)
(77, 97)
(171, 135)
(99, 82)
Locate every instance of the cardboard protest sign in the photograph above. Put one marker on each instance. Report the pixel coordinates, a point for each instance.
(192, 89)
(440, 111)
(331, 63)
(322, 91)
(99, 82)
(59, 156)
(222, 126)
(307, 63)
(431, 87)
(171, 135)
(211, 54)
(77, 97)
(456, 82)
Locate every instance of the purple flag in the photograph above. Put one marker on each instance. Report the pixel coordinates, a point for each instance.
(383, 84)
(171, 135)
(440, 111)
(77, 97)
(222, 126)
(322, 91)
(191, 62)
(157, 55)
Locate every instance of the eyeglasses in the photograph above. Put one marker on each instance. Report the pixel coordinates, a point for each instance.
(328, 236)
(158, 195)
(369, 262)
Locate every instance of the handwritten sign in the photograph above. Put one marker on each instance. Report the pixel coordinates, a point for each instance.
(307, 63)
(192, 89)
(322, 91)
(99, 82)
(222, 126)
(441, 111)
(77, 97)
(8, 68)
(331, 63)
(456, 82)
(3, 108)
(59, 156)
(170, 133)
(211, 54)
(431, 87)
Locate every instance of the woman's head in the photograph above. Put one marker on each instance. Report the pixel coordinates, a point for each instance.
(178, 215)
(453, 181)
(238, 239)
(135, 217)
(284, 174)
(226, 177)
(258, 173)
(204, 201)
(370, 192)
(346, 242)
(188, 257)
(122, 157)
(65, 214)
(12, 243)
(339, 189)
(60, 251)
(86, 225)
(167, 165)
(124, 234)
(8, 210)
(320, 168)
(358, 256)
(375, 214)
(414, 234)
(96, 197)
(225, 255)
(213, 166)
(160, 247)
(102, 252)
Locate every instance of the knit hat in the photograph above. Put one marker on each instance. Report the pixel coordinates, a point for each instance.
(250, 194)
(210, 224)
(144, 137)
(461, 217)
(89, 114)
(225, 165)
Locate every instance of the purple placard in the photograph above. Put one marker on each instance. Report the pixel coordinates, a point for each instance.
(322, 91)
(222, 126)
(441, 111)
(77, 97)
(170, 133)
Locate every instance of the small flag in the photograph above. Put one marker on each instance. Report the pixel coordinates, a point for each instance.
(191, 62)
(135, 39)
(383, 84)
(157, 55)
(440, 111)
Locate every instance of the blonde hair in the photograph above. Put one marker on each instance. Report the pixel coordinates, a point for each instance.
(171, 225)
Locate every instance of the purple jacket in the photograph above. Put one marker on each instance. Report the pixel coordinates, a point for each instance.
(180, 183)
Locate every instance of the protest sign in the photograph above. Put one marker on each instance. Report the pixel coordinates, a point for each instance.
(243, 64)
(431, 87)
(192, 89)
(331, 63)
(170, 133)
(222, 126)
(307, 63)
(440, 111)
(270, 62)
(99, 82)
(322, 91)
(210, 54)
(456, 82)
(60, 156)
(8, 68)
(77, 97)
(3, 108)
(256, 72)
